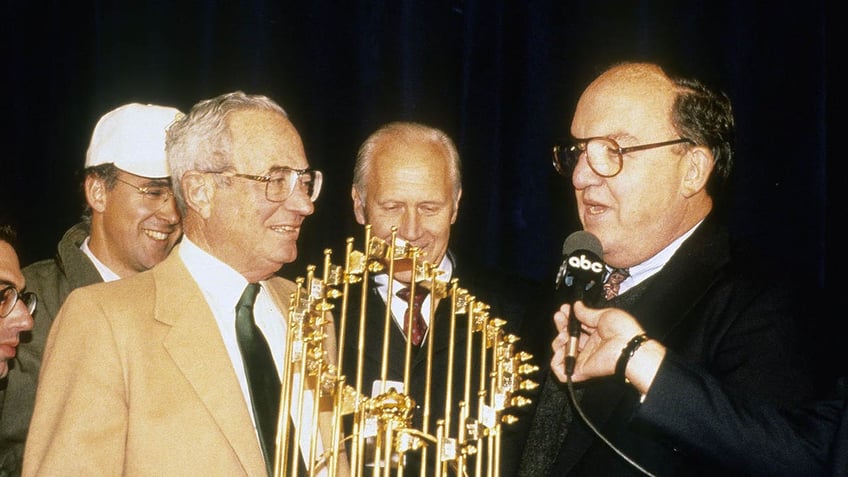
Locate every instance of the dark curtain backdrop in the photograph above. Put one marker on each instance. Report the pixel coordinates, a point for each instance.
(501, 77)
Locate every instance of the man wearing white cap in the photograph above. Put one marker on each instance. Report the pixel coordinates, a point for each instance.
(130, 223)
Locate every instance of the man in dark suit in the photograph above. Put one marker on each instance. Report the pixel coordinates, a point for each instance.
(407, 178)
(648, 155)
(742, 435)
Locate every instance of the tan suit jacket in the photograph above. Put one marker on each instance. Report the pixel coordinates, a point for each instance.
(136, 381)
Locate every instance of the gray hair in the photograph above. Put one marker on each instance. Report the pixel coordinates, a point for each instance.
(705, 116)
(202, 140)
(406, 132)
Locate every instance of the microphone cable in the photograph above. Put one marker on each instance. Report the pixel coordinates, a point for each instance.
(585, 418)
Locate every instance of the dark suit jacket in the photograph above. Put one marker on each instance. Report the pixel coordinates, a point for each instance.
(744, 436)
(509, 298)
(713, 308)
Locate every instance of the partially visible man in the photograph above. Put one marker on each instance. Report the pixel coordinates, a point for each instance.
(130, 223)
(146, 375)
(647, 158)
(16, 306)
(408, 176)
(683, 402)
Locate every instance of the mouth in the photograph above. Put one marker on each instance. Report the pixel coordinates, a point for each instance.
(285, 229)
(405, 246)
(594, 208)
(8, 350)
(157, 235)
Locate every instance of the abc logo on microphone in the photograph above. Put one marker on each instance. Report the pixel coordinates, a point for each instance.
(584, 263)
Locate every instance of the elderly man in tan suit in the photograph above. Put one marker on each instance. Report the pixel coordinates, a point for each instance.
(146, 375)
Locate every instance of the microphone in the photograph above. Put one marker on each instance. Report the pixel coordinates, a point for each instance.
(580, 277)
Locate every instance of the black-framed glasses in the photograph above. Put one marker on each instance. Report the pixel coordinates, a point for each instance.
(155, 195)
(9, 297)
(604, 155)
(281, 184)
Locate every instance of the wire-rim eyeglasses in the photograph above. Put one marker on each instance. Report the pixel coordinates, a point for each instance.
(9, 297)
(282, 182)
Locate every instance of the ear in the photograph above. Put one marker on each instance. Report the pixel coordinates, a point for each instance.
(358, 206)
(95, 193)
(198, 193)
(456, 206)
(698, 165)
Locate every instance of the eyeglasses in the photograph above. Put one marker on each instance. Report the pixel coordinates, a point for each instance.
(9, 298)
(282, 183)
(603, 154)
(155, 196)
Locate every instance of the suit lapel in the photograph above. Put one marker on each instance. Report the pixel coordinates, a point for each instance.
(440, 331)
(675, 290)
(375, 327)
(196, 346)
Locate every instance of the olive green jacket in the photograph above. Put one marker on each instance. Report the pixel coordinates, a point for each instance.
(51, 280)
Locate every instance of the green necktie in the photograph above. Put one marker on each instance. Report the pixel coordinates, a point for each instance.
(262, 378)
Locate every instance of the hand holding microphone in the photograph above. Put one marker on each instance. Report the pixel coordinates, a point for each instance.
(580, 278)
(606, 332)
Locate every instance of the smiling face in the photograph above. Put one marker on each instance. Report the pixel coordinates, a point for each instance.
(131, 232)
(658, 195)
(19, 320)
(409, 186)
(244, 229)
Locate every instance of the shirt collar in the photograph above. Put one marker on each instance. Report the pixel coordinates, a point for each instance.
(105, 272)
(220, 283)
(646, 269)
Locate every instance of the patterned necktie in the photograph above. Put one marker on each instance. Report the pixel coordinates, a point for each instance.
(262, 378)
(419, 326)
(611, 286)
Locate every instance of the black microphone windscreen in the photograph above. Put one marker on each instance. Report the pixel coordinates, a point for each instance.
(582, 240)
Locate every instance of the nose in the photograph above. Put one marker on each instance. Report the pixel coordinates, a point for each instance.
(169, 212)
(300, 202)
(583, 176)
(410, 228)
(20, 319)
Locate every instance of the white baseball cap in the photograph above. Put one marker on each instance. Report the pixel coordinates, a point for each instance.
(132, 137)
